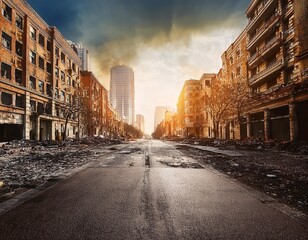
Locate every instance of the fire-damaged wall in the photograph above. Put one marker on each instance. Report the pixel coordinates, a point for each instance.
(302, 112)
(11, 127)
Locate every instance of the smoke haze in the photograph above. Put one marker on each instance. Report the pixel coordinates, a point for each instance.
(116, 30)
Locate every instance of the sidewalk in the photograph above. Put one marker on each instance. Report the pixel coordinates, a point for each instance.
(217, 150)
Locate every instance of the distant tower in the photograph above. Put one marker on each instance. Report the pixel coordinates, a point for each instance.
(140, 122)
(122, 92)
(84, 55)
(160, 114)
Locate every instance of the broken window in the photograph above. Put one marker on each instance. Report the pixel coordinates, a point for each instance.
(33, 57)
(33, 33)
(19, 22)
(238, 52)
(69, 81)
(74, 67)
(18, 76)
(41, 86)
(41, 40)
(48, 90)
(57, 72)
(62, 77)
(18, 49)
(33, 105)
(57, 51)
(41, 63)
(20, 101)
(48, 67)
(6, 99)
(6, 71)
(57, 111)
(6, 41)
(62, 57)
(69, 63)
(32, 82)
(68, 98)
(62, 96)
(40, 108)
(48, 108)
(48, 46)
(6, 11)
(57, 93)
(231, 60)
(289, 75)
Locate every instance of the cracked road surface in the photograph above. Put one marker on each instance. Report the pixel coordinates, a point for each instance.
(150, 190)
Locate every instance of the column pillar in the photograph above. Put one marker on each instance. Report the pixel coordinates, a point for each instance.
(27, 122)
(37, 130)
(267, 124)
(293, 117)
(248, 125)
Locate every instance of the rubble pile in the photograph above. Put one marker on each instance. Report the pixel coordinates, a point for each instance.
(282, 175)
(251, 144)
(28, 164)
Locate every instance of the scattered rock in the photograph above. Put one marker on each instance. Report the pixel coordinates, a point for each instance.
(271, 175)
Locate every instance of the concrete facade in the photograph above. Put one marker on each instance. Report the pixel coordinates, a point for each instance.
(277, 69)
(270, 59)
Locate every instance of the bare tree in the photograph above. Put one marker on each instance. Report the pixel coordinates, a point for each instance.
(75, 108)
(218, 103)
(239, 94)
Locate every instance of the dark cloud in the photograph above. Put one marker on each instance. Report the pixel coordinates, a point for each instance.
(116, 29)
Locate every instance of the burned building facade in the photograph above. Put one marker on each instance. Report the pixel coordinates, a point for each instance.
(278, 69)
(39, 76)
(269, 62)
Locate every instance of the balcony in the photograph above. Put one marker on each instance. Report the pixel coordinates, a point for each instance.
(265, 6)
(260, 32)
(252, 5)
(274, 42)
(253, 58)
(272, 68)
(288, 33)
(300, 76)
(304, 74)
(288, 10)
(270, 44)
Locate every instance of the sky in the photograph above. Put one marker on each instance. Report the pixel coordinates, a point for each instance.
(165, 41)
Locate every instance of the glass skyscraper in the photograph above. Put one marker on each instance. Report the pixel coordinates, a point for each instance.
(122, 92)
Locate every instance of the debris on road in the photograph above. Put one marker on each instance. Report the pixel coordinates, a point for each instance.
(281, 174)
(28, 164)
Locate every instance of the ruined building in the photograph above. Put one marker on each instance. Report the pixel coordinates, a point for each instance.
(188, 109)
(39, 76)
(269, 62)
(96, 103)
(277, 69)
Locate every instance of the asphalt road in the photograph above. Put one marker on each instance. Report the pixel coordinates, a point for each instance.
(150, 190)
